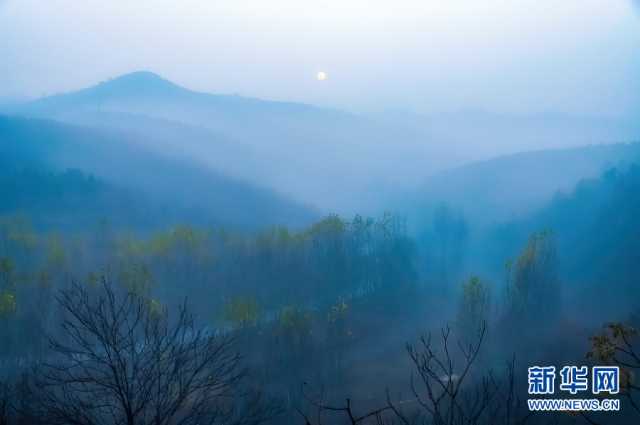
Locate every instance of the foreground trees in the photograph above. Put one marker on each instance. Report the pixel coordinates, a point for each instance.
(122, 360)
(446, 388)
(618, 344)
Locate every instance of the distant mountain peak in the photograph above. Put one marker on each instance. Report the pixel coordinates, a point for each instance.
(138, 83)
(139, 77)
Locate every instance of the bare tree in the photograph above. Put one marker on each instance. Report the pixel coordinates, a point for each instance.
(122, 360)
(443, 380)
(443, 394)
(345, 412)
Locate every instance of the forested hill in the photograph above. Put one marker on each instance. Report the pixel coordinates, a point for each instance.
(115, 177)
(513, 186)
(597, 231)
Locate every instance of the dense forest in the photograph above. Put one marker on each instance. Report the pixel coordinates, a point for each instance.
(108, 319)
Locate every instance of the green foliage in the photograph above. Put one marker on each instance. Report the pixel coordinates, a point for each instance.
(184, 238)
(291, 317)
(17, 231)
(617, 345)
(332, 226)
(156, 308)
(56, 256)
(475, 305)
(294, 327)
(276, 278)
(7, 304)
(338, 311)
(7, 270)
(242, 312)
(532, 280)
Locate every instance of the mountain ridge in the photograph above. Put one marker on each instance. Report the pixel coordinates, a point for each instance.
(504, 187)
(148, 84)
(183, 184)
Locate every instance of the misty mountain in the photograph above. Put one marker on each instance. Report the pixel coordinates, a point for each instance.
(506, 187)
(336, 160)
(174, 189)
(331, 158)
(480, 135)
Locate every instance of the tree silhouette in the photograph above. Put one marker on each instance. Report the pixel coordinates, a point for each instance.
(120, 360)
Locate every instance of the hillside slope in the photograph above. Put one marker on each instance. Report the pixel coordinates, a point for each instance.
(514, 185)
(596, 234)
(190, 189)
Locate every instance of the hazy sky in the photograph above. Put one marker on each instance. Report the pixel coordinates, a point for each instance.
(574, 56)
